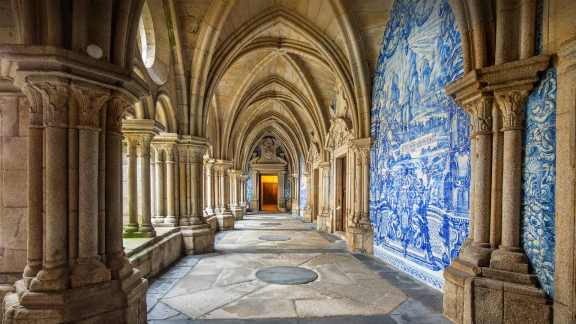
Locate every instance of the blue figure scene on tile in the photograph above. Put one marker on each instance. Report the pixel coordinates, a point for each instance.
(420, 159)
(303, 188)
(539, 180)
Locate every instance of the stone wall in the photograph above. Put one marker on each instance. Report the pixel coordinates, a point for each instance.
(13, 186)
(156, 255)
(420, 159)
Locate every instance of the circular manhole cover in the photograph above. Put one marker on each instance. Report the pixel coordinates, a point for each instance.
(270, 224)
(274, 238)
(286, 275)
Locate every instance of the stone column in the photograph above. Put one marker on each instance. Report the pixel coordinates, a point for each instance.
(281, 195)
(255, 203)
(323, 222)
(54, 273)
(510, 255)
(146, 228)
(132, 226)
(223, 213)
(183, 179)
(295, 195)
(360, 232)
(209, 187)
(480, 110)
(88, 269)
(198, 237)
(170, 219)
(235, 194)
(35, 184)
(160, 186)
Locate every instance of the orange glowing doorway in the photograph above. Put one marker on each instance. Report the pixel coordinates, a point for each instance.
(269, 193)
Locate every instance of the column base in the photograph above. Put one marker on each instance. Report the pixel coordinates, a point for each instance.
(475, 294)
(225, 220)
(360, 239)
(477, 254)
(89, 272)
(513, 260)
(109, 302)
(198, 239)
(129, 229)
(323, 222)
(307, 213)
(238, 213)
(171, 221)
(295, 212)
(184, 220)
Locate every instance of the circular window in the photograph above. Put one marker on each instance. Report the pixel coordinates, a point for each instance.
(146, 39)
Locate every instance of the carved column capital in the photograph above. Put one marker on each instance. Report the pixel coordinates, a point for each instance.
(116, 111)
(480, 111)
(35, 108)
(511, 104)
(89, 100)
(54, 96)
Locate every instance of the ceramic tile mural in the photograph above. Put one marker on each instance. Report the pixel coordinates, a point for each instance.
(538, 181)
(249, 185)
(303, 189)
(420, 160)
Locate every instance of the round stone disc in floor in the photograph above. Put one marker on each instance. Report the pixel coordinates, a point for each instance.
(286, 275)
(274, 238)
(270, 224)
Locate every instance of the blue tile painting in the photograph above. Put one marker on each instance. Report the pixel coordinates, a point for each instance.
(303, 190)
(420, 159)
(249, 186)
(538, 180)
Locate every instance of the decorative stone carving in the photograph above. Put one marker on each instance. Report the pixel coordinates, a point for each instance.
(512, 103)
(480, 115)
(55, 102)
(116, 110)
(339, 134)
(89, 101)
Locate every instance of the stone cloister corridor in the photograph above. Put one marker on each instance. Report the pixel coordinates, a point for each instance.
(223, 287)
(287, 161)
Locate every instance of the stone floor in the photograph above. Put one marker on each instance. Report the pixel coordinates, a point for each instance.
(222, 287)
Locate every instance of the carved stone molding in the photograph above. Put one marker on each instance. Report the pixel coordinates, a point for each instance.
(55, 95)
(116, 110)
(339, 134)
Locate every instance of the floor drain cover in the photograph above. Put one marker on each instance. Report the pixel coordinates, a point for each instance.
(286, 275)
(270, 224)
(274, 238)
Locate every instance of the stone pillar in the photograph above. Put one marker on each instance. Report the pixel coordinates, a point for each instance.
(480, 111)
(255, 203)
(170, 165)
(160, 186)
(360, 233)
(198, 237)
(295, 195)
(281, 195)
(72, 276)
(209, 188)
(35, 185)
(323, 222)
(146, 229)
(223, 213)
(565, 259)
(236, 194)
(510, 255)
(88, 269)
(485, 285)
(183, 188)
(132, 227)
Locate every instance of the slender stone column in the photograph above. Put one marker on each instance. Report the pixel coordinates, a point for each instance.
(54, 273)
(295, 195)
(146, 228)
(255, 203)
(480, 110)
(88, 269)
(35, 184)
(510, 256)
(281, 195)
(223, 213)
(323, 223)
(308, 217)
(209, 187)
(170, 183)
(196, 184)
(191, 177)
(160, 185)
(132, 226)
(182, 162)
